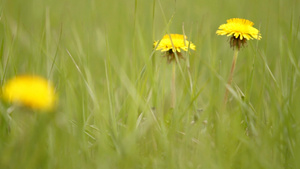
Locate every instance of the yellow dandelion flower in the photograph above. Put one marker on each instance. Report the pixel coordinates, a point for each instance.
(241, 30)
(173, 43)
(31, 91)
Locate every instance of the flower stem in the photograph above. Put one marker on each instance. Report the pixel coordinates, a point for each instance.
(235, 55)
(173, 89)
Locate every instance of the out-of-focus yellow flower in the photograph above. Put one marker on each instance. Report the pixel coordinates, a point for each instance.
(172, 43)
(179, 42)
(241, 30)
(31, 91)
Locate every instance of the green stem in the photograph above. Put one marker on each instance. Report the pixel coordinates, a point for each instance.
(235, 55)
(173, 89)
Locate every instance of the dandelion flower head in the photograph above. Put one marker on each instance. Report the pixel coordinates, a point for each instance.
(31, 91)
(173, 43)
(179, 42)
(240, 30)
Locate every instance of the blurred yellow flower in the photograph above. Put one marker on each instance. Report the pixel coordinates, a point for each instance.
(31, 91)
(240, 30)
(179, 42)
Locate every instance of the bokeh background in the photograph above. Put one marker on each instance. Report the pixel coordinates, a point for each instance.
(114, 108)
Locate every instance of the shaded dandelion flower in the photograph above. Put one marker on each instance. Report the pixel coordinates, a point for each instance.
(173, 43)
(30, 91)
(240, 31)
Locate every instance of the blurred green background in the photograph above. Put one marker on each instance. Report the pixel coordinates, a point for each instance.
(114, 89)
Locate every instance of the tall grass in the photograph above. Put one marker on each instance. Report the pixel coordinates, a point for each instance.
(115, 91)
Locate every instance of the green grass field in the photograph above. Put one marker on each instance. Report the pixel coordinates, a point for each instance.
(114, 108)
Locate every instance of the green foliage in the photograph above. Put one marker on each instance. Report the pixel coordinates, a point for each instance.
(115, 91)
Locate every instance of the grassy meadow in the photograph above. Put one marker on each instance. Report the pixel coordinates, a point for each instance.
(114, 108)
